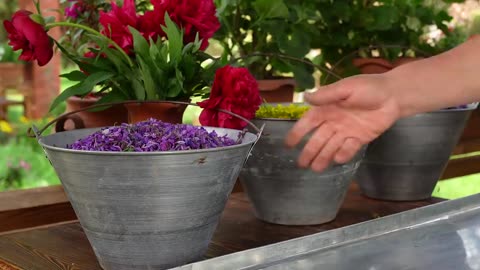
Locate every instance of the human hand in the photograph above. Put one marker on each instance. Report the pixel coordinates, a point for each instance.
(344, 116)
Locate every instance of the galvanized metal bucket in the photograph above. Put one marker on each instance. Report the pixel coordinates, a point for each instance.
(405, 163)
(151, 210)
(283, 193)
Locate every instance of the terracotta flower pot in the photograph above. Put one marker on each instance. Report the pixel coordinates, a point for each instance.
(379, 65)
(277, 90)
(114, 115)
(171, 113)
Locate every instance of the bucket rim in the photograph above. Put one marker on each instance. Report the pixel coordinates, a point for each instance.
(276, 119)
(41, 141)
(469, 107)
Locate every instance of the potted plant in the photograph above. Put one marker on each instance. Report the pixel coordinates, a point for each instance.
(280, 191)
(166, 71)
(259, 32)
(376, 36)
(87, 12)
(148, 194)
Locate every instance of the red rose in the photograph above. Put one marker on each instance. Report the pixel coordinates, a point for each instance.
(30, 37)
(234, 90)
(116, 22)
(192, 16)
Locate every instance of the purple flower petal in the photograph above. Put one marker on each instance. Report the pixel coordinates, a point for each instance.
(151, 136)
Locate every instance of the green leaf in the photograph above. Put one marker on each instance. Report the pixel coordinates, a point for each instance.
(175, 38)
(140, 44)
(117, 59)
(50, 19)
(138, 89)
(114, 96)
(383, 18)
(189, 67)
(82, 88)
(173, 88)
(114, 57)
(269, 9)
(180, 78)
(297, 44)
(37, 18)
(318, 60)
(147, 79)
(188, 48)
(303, 76)
(413, 23)
(74, 76)
(223, 4)
(70, 56)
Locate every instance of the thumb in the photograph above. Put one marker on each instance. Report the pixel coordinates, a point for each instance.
(327, 94)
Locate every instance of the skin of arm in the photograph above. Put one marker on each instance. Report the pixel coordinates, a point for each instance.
(446, 80)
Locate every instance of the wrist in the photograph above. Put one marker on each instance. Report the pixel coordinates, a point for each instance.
(398, 88)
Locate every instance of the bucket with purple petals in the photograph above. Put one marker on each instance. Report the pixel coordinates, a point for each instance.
(148, 195)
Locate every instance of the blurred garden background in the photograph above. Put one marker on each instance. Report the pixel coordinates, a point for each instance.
(23, 164)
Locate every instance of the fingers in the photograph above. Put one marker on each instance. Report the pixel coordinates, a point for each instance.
(314, 145)
(325, 156)
(347, 150)
(328, 94)
(303, 126)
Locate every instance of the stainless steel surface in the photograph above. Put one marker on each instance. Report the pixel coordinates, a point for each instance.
(281, 192)
(406, 162)
(147, 210)
(445, 236)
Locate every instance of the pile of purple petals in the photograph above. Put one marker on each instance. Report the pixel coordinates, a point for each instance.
(151, 136)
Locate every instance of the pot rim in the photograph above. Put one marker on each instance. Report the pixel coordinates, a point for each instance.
(277, 119)
(470, 107)
(251, 142)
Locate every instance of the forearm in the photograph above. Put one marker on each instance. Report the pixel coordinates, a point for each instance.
(445, 80)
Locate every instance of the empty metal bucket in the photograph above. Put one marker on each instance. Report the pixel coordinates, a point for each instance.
(406, 162)
(147, 210)
(283, 193)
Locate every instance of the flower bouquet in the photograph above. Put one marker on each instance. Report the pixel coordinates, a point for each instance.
(148, 194)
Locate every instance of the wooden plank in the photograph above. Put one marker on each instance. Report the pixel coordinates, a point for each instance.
(462, 166)
(239, 229)
(36, 216)
(29, 208)
(472, 128)
(467, 146)
(35, 197)
(66, 247)
(61, 247)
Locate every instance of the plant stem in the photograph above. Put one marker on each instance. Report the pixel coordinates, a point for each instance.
(95, 32)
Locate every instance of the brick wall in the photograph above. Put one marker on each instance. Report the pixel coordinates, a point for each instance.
(45, 81)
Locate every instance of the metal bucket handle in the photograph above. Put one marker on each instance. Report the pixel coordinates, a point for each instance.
(35, 132)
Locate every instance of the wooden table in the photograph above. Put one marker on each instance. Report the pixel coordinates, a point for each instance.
(65, 246)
